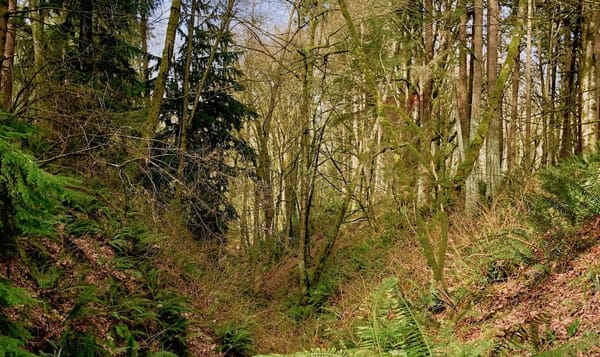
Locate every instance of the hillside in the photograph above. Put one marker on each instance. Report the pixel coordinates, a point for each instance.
(230, 178)
(549, 308)
(106, 284)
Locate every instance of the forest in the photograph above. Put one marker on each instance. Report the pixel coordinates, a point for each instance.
(299, 178)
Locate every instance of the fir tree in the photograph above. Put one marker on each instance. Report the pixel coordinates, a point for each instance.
(210, 137)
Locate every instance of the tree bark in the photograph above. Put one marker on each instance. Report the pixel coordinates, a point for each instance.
(463, 75)
(527, 149)
(306, 189)
(511, 143)
(596, 28)
(86, 31)
(37, 36)
(161, 80)
(144, 41)
(6, 82)
(493, 158)
(3, 28)
(472, 189)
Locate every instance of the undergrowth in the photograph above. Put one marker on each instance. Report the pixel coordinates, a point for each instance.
(91, 269)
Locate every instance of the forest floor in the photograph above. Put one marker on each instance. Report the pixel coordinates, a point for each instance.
(549, 308)
(550, 303)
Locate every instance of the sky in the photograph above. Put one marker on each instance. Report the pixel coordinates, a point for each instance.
(273, 12)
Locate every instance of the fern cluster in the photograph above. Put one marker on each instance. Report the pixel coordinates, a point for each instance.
(29, 196)
(570, 193)
(389, 329)
(12, 335)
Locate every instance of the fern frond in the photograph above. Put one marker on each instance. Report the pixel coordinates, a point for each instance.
(391, 324)
(12, 347)
(570, 193)
(332, 352)
(12, 296)
(31, 195)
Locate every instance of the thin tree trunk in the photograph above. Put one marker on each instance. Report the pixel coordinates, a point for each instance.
(264, 185)
(306, 190)
(9, 52)
(144, 41)
(161, 79)
(554, 127)
(527, 149)
(493, 158)
(3, 28)
(185, 121)
(475, 173)
(545, 87)
(426, 102)
(37, 36)
(86, 31)
(596, 36)
(463, 78)
(223, 29)
(511, 154)
(570, 89)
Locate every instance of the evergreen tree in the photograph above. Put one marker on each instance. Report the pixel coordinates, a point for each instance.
(101, 45)
(209, 137)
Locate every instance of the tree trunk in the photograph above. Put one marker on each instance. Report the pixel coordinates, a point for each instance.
(570, 116)
(306, 189)
(472, 188)
(527, 149)
(144, 40)
(86, 31)
(493, 158)
(185, 121)
(511, 143)
(463, 76)
(9, 52)
(596, 36)
(37, 36)
(161, 80)
(426, 103)
(3, 28)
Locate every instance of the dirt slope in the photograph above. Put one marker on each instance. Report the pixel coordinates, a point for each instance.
(548, 308)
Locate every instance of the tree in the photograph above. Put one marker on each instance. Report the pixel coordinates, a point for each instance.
(203, 75)
(161, 79)
(6, 82)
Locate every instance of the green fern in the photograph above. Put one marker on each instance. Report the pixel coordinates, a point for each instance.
(390, 329)
(12, 334)
(234, 340)
(30, 197)
(391, 325)
(317, 352)
(576, 347)
(163, 354)
(571, 193)
(12, 347)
